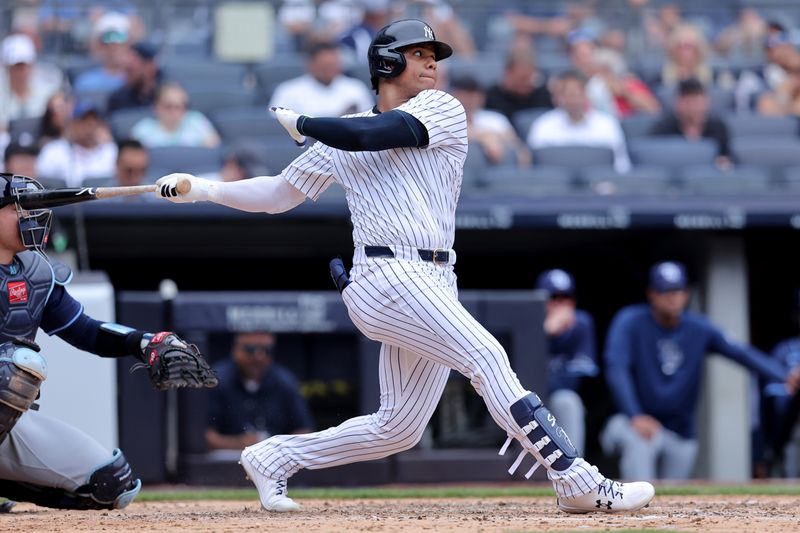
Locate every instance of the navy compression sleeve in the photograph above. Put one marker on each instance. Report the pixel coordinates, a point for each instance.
(87, 334)
(393, 129)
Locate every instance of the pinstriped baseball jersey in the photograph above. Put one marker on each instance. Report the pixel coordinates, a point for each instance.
(403, 196)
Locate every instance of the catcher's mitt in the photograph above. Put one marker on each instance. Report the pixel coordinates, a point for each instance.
(173, 363)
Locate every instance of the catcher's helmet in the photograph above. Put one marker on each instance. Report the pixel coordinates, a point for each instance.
(34, 224)
(386, 60)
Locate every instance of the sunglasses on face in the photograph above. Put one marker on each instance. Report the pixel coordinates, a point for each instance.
(253, 349)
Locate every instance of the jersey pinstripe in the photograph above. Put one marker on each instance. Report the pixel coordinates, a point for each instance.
(402, 196)
(405, 199)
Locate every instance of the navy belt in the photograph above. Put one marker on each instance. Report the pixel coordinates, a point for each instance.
(437, 257)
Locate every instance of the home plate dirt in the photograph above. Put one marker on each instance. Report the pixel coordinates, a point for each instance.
(671, 513)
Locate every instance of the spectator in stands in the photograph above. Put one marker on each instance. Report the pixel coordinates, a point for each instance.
(745, 38)
(571, 344)
(111, 41)
(323, 91)
(653, 360)
(785, 98)
(299, 20)
(660, 27)
(579, 15)
(692, 119)
(24, 89)
(87, 150)
(575, 123)
(488, 129)
(142, 79)
(687, 57)
(20, 160)
(255, 398)
(174, 124)
(442, 18)
(357, 39)
(630, 95)
(582, 56)
(522, 86)
(132, 164)
(55, 118)
(244, 161)
(779, 55)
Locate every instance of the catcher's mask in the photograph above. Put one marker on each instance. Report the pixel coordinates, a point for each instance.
(385, 54)
(34, 224)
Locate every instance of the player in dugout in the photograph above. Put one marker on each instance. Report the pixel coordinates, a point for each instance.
(401, 165)
(43, 460)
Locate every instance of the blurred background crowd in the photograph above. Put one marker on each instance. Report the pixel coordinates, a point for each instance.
(124, 91)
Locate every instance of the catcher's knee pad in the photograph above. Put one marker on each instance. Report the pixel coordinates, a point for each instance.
(112, 485)
(22, 372)
(542, 436)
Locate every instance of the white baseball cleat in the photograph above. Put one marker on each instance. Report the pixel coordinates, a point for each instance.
(611, 497)
(271, 492)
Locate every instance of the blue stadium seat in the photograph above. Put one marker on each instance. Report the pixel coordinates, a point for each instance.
(246, 122)
(474, 167)
(191, 159)
(640, 180)
(534, 181)
(282, 68)
(707, 179)
(279, 151)
(721, 101)
(573, 156)
(672, 151)
(522, 120)
(757, 125)
(122, 121)
(638, 125)
(189, 71)
(210, 99)
(24, 130)
(773, 153)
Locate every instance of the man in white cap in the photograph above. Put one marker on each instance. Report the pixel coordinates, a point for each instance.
(110, 42)
(23, 94)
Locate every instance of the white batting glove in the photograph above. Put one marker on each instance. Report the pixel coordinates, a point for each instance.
(202, 189)
(288, 120)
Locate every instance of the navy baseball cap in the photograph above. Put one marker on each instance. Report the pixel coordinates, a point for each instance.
(668, 276)
(556, 281)
(83, 108)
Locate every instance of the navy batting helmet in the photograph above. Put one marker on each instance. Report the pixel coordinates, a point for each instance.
(386, 59)
(34, 224)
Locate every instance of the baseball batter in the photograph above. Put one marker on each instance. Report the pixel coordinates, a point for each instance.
(401, 166)
(42, 460)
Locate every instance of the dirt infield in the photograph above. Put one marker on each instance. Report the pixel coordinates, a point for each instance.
(672, 513)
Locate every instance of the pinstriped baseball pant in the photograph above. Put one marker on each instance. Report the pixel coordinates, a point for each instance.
(413, 309)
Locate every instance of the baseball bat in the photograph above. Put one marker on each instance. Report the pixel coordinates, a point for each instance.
(57, 197)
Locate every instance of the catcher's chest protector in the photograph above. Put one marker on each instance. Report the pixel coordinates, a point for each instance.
(25, 286)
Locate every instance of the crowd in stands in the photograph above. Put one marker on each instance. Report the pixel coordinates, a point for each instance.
(631, 80)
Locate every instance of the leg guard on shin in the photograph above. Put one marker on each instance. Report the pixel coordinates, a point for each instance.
(110, 487)
(541, 436)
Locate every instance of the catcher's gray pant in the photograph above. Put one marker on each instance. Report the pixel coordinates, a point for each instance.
(567, 406)
(665, 456)
(412, 307)
(50, 453)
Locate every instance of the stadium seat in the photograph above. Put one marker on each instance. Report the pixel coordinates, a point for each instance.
(758, 125)
(522, 120)
(279, 69)
(191, 159)
(721, 101)
(707, 179)
(279, 151)
(773, 153)
(209, 99)
(533, 181)
(123, 121)
(791, 178)
(245, 122)
(638, 125)
(188, 71)
(107, 181)
(672, 151)
(639, 180)
(487, 68)
(573, 156)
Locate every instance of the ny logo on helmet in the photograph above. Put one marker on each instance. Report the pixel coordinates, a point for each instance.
(428, 32)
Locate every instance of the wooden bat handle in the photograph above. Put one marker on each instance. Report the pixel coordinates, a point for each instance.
(184, 186)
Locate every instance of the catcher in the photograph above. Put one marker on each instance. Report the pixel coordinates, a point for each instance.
(42, 460)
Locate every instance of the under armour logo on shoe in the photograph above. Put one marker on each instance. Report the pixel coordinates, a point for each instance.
(600, 504)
